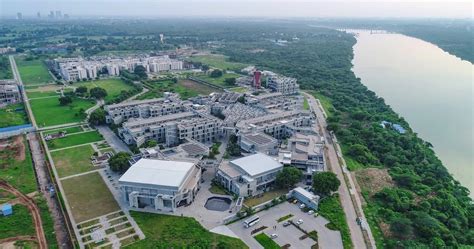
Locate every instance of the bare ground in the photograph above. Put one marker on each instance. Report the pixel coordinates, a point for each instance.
(373, 180)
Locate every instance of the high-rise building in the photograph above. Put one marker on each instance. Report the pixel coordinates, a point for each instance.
(58, 14)
(256, 79)
(38, 15)
(51, 14)
(19, 16)
(66, 16)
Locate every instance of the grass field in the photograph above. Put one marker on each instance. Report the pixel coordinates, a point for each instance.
(48, 223)
(220, 81)
(331, 209)
(32, 71)
(169, 231)
(185, 88)
(18, 224)
(15, 169)
(74, 139)
(73, 160)
(218, 61)
(270, 195)
(5, 68)
(91, 200)
(39, 94)
(325, 102)
(44, 108)
(112, 86)
(68, 130)
(266, 241)
(10, 116)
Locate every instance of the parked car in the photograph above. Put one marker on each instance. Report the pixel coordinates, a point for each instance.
(311, 212)
(286, 223)
(302, 206)
(274, 236)
(299, 222)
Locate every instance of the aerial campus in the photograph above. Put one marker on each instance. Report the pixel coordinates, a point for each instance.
(187, 146)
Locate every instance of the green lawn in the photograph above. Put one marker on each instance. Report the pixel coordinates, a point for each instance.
(238, 89)
(40, 94)
(73, 160)
(18, 224)
(220, 81)
(166, 231)
(185, 88)
(15, 170)
(218, 61)
(267, 196)
(88, 197)
(216, 189)
(75, 139)
(68, 130)
(48, 112)
(32, 71)
(10, 116)
(331, 209)
(5, 68)
(266, 241)
(112, 86)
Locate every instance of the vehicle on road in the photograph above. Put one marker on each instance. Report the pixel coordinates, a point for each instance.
(274, 236)
(311, 212)
(286, 223)
(251, 221)
(299, 222)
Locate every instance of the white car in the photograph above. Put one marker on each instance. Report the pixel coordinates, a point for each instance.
(311, 212)
(302, 206)
(299, 222)
(274, 236)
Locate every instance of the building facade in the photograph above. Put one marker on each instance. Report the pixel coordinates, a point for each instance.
(9, 92)
(282, 84)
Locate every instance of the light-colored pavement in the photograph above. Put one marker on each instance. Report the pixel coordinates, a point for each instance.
(16, 75)
(327, 239)
(115, 142)
(345, 192)
(97, 105)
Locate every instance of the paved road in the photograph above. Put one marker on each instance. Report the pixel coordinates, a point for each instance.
(17, 77)
(344, 193)
(44, 181)
(115, 142)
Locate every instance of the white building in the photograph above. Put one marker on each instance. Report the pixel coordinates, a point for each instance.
(284, 85)
(160, 185)
(250, 175)
(258, 142)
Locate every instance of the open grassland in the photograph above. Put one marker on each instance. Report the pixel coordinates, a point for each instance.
(178, 232)
(73, 160)
(331, 209)
(5, 68)
(266, 241)
(16, 166)
(218, 61)
(48, 112)
(20, 223)
(13, 115)
(185, 88)
(74, 139)
(32, 71)
(88, 197)
(68, 130)
(41, 94)
(219, 81)
(112, 86)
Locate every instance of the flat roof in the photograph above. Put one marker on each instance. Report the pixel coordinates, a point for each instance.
(257, 164)
(157, 172)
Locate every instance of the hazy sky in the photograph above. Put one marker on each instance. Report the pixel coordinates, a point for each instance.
(239, 8)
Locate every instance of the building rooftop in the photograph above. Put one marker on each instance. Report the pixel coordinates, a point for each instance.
(256, 164)
(157, 172)
(259, 138)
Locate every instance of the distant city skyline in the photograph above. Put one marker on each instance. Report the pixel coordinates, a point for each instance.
(241, 8)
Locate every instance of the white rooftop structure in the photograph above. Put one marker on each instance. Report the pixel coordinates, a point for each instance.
(158, 172)
(257, 164)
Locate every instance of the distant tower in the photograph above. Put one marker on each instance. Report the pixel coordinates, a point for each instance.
(38, 15)
(19, 16)
(162, 38)
(256, 79)
(51, 14)
(58, 14)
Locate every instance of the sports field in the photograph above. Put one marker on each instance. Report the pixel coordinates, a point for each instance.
(48, 112)
(112, 86)
(74, 139)
(32, 71)
(73, 160)
(91, 199)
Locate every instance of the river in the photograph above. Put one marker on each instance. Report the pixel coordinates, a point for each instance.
(430, 88)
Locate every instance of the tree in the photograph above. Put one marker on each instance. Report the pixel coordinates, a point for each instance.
(81, 90)
(204, 67)
(401, 227)
(140, 71)
(97, 117)
(119, 162)
(65, 100)
(288, 177)
(230, 81)
(98, 92)
(216, 73)
(325, 183)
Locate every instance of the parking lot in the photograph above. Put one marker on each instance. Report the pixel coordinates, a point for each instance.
(289, 235)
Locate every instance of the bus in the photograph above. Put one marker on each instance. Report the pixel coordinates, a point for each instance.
(251, 221)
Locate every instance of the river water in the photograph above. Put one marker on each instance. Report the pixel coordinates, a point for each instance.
(430, 88)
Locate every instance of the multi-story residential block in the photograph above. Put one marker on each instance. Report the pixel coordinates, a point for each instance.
(9, 92)
(160, 185)
(250, 175)
(118, 113)
(284, 85)
(258, 142)
(276, 101)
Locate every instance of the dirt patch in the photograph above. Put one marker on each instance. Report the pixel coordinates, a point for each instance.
(385, 228)
(11, 149)
(373, 180)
